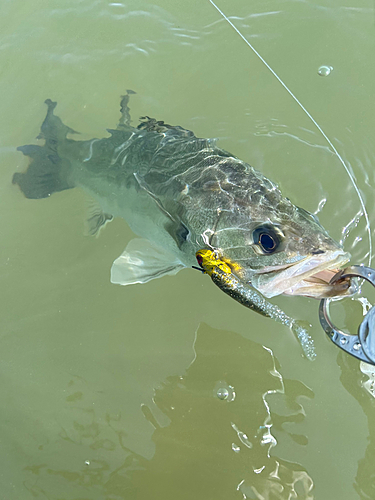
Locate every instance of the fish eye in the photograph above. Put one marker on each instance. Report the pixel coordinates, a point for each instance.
(266, 238)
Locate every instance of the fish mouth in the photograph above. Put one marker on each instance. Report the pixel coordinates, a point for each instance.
(309, 277)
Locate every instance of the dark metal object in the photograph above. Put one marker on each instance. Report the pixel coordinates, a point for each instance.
(361, 346)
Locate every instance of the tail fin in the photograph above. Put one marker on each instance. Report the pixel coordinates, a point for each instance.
(47, 172)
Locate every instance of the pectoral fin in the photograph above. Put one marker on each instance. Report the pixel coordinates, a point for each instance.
(143, 261)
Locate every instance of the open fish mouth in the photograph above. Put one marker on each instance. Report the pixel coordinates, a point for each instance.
(309, 278)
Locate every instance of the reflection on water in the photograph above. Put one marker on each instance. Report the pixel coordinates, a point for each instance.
(232, 437)
(360, 386)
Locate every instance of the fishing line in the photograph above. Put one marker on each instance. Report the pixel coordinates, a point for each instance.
(365, 214)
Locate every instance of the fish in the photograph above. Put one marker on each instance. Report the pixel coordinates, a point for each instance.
(189, 202)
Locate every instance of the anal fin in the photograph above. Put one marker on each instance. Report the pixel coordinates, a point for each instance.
(96, 219)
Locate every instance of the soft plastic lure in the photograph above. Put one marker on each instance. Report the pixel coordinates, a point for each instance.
(221, 274)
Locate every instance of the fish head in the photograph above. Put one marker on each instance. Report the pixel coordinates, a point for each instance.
(285, 251)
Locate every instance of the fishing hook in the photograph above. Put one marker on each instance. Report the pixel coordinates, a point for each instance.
(362, 345)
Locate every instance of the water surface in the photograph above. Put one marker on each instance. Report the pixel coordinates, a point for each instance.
(110, 392)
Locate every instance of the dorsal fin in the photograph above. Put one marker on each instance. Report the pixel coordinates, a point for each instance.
(125, 111)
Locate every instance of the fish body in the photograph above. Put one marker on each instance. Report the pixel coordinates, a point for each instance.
(182, 194)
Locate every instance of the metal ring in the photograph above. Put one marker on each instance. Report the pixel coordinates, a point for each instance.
(352, 344)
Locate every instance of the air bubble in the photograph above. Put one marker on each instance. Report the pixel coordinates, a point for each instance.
(325, 70)
(357, 346)
(343, 341)
(222, 393)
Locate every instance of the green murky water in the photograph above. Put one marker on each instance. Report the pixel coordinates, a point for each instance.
(110, 392)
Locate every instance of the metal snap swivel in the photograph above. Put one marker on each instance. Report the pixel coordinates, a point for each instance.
(362, 345)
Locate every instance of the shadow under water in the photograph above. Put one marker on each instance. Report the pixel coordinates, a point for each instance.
(217, 414)
(222, 418)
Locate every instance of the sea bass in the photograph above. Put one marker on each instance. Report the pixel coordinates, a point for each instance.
(186, 198)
